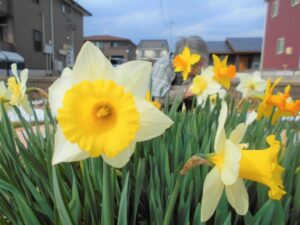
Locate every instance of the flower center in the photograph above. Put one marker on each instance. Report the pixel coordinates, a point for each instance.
(99, 116)
(251, 87)
(104, 111)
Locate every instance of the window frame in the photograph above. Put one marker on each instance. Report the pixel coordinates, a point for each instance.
(275, 5)
(37, 44)
(280, 41)
(295, 2)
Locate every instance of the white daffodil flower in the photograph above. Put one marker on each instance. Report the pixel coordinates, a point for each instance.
(102, 111)
(225, 173)
(17, 87)
(204, 85)
(251, 85)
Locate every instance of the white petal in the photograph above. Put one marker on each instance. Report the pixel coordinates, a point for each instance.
(14, 69)
(91, 64)
(231, 164)
(153, 122)
(64, 151)
(237, 196)
(58, 89)
(121, 159)
(220, 135)
(251, 117)
(238, 133)
(199, 100)
(24, 76)
(134, 76)
(26, 106)
(212, 192)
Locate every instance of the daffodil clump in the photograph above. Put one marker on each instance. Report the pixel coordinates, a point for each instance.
(107, 153)
(281, 103)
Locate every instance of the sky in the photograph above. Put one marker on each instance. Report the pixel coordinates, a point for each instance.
(151, 19)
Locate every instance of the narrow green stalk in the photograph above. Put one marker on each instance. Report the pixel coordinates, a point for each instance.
(169, 212)
(107, 210)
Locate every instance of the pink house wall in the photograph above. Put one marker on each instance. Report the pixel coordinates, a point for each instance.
(285, 25)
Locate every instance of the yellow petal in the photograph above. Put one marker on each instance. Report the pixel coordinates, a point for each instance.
(212, 192)
(217, 61)
(186, 53)
(237, 196)
(194, 58)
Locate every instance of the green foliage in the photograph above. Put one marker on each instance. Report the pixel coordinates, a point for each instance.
(149, 189)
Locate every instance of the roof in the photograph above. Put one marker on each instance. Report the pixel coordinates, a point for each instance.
(106, 38)
(219, 47)
(245, 45)
(154, 43)
(235, 45)
(79, 7)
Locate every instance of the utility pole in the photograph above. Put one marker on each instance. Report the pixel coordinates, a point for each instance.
(171, 34)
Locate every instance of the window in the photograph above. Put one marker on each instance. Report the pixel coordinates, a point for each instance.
(37, 40)
(65, 8)
(294, 2)
(157, 53)
(1, 33)
(36, 1)
(275, 6)
(99, 44)
(280, 46)
(115, 44)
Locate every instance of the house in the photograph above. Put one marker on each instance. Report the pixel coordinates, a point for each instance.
(152, 50)
(45, 34)
(281, 49)
(114, 47)
(244, 53)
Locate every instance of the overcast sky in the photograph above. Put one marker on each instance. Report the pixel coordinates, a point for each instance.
(150, 19)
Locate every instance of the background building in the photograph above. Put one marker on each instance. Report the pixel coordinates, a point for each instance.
(114, 47)
(46, 33)
(244, 53)
(152, 50)
(282, 35)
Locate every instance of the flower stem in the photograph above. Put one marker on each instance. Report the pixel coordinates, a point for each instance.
(107, 211)
(170, 208)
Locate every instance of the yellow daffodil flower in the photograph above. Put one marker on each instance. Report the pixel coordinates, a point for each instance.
(148, 98)
(251, 85)
(17, 87)
(184, 61)
(101, 110)
(291, 108)
(223, 73)
(262, 166)
(225, 173)
(203, 85)
(269, 101)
